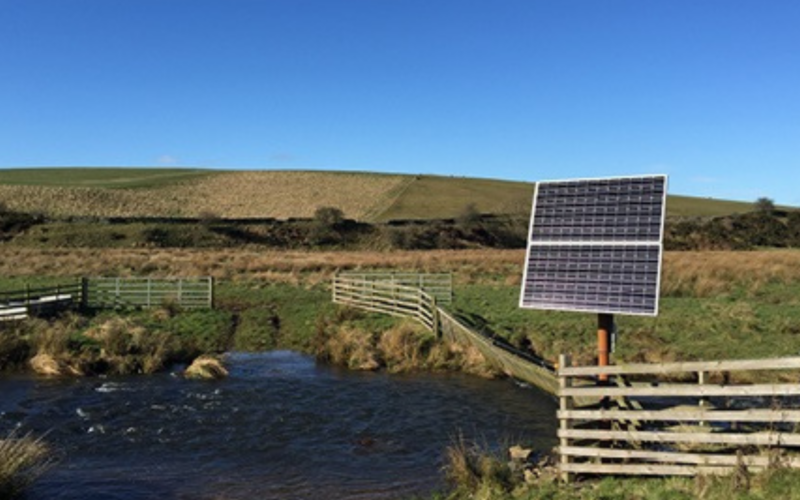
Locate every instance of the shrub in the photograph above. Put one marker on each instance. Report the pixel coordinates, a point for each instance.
(328, 216)
(325, 228)
(765, 205)
(469, 217)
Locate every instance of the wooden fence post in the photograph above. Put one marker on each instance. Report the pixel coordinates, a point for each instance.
(435, 313)
(564, 404)
(150, 293)
(84, 287)
(702, 380)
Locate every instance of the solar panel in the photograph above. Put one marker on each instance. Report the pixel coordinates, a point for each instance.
(596, 245)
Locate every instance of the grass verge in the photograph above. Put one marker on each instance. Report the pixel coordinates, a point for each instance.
(477, 473)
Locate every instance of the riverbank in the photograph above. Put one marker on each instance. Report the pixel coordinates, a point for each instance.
(248, 317)
(714, 305)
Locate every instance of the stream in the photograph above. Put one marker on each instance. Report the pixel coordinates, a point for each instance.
(280, 427)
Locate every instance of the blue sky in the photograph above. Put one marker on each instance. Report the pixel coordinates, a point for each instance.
(707, 91)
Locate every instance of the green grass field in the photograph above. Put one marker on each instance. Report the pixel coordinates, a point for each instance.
(689, 206)
(109, 178)
(427, 197)
(84, 192)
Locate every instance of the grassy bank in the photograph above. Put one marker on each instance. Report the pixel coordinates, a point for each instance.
(249, 316)
(362, 341)
(109, 342)
(778, 484)
(714, 304)
(476, 473)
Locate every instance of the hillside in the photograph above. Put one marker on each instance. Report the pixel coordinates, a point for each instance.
(131, 192)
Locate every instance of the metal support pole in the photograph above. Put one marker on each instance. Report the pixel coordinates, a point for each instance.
(605, 325)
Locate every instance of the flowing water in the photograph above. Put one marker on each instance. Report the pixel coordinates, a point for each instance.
(280, 427)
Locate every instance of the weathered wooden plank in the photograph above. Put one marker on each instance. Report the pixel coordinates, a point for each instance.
(686, 415)
(755, 439)
(689, 366)
(679, 457)
(565, 406)
(690, 390)
(645, 470)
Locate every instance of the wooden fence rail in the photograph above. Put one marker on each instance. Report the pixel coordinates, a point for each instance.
(20, 304)
(387, 298)
(689, 428)
(189, 293)
(437, 285)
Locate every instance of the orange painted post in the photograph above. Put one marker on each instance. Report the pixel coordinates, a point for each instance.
(605, 325)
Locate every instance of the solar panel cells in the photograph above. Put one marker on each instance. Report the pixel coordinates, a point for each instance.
(595, 246)
(599, 210)
(597, 278)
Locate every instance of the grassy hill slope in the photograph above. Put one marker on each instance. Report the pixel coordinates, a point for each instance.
(155, 192)
(109, 178)
(428, 197)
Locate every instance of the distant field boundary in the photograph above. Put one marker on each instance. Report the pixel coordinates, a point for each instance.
(107, 293)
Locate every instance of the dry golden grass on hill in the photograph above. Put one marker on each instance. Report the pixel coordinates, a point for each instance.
(231, 194)
(685, 273)
(289, 266)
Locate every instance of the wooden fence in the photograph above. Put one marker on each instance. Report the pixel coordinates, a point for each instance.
(20, 304)
(408, 301)
(514, 363)
(704, 426)
(189, 293)
(437, 285)
(387, 298)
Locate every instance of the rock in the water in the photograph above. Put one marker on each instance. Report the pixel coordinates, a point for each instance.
(206, 368)
(519, 453)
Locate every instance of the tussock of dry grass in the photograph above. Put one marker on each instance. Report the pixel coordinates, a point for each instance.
(22, 460)
(234, 194)
(475, 472)
(407, 346)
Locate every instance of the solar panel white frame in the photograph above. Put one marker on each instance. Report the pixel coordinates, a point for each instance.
(557, 240)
